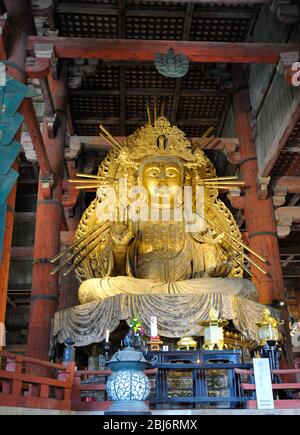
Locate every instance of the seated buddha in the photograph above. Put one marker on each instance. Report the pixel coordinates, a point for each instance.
(157, 240)
(163, 245)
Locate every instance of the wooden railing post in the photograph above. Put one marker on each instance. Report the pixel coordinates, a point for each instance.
(17, 384)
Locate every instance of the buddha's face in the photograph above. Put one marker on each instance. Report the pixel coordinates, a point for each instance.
(162, 178)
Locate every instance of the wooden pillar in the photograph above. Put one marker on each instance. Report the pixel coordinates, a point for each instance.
(259, 214)
(49, 218)
(20, 20)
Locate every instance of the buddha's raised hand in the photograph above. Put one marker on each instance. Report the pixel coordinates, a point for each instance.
(121, 233)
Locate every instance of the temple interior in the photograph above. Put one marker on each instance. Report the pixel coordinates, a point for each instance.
(149, 201)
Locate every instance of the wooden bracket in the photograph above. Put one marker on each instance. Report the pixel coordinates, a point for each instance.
(47, 51)
(236, 200)
(47, 184)
(37, 68)
(71, 194)
(285, 217)
(279, 197)
(262, 184)
(289, 66)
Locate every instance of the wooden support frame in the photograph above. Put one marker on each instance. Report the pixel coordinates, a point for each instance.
(28, 112)
(144, 50)
(292, 117)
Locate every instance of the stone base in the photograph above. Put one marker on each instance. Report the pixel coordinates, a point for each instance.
(128, 407)
(11, 410)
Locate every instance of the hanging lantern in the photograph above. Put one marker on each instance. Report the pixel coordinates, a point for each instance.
(213, 331)
(268, 328)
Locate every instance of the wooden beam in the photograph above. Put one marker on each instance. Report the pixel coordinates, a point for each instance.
(29, 114)
(289, 248)
(47, 97)
(281, 137)
(162, 92)
(290, 184)
(141, 121)
(149, 11)
(145, 50)
(219, 143)
(22, 252)
(291, 272)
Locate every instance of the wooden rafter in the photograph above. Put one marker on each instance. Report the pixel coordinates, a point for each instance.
(144, 50)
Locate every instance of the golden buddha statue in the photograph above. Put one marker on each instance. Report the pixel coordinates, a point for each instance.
(157, 231)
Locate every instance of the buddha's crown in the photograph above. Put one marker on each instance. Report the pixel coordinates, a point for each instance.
(160, 139)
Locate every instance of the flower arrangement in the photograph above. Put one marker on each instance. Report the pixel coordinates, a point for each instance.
(136, 327)
(135, 335)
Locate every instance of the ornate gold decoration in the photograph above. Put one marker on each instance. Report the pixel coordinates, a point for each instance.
(187, 343)
(213, 331)
(154, 343)
(268, 327)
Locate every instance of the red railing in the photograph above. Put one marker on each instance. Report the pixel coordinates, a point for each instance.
(22, 383)
(32, 383)
(59, 387)
(293, 387)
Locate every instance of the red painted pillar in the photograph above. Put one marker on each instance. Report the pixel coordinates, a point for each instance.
(49, 218)
(20, 20)
(259, 215)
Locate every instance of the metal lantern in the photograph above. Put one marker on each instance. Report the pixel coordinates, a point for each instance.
(267, 328)
(213, 331)
(128, 386)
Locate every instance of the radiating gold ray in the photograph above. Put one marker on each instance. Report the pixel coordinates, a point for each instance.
(76, 263)
(94, 186)
(90, 176)
(82, 181)
(231, 177)
(109, 142)
(98, 234)
(240, 263)
(65, 251)
(236, 240)
(225, 183)
(114, 140)
(208, 131)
